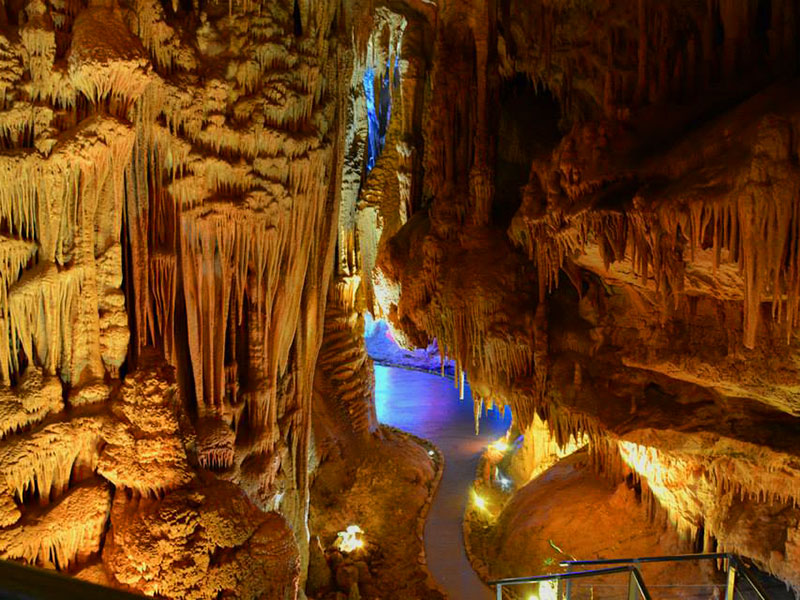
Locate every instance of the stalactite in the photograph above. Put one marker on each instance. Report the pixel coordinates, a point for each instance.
(41, 313)
(163, 275)
(215, 440)
(751, 228)
(540, 359)
(30, 401)
(41, 462)
(694, 491)
(14, 256)
(38, 38)
(47, 200)
(208, 257)
(148, 21)
(105, 59)
(71, 529)
(224, 245)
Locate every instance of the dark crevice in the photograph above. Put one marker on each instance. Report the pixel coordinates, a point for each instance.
(527, 129)
(297, 19)
(127, 288)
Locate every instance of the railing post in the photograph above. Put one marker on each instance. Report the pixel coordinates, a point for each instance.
(730, 586)
(568, 585)
(633, 588)
(499, 591)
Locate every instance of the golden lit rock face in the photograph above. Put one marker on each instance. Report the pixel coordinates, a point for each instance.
(168, 207)
(634, 277)
(572, 512)
(187, 221)
(197, 542)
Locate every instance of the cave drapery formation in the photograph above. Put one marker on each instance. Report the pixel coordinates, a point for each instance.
(171, 181)
(593, 207)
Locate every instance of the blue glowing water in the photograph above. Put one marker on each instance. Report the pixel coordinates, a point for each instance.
(428, 406)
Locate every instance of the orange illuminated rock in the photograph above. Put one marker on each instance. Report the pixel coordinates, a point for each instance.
(591, 206)
(199, 543)
(144, 450)
(56, 536)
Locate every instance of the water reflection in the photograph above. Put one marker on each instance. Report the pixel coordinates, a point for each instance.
(428, 406)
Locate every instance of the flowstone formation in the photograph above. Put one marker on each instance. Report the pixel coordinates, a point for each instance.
(171, 176)
(604, 234)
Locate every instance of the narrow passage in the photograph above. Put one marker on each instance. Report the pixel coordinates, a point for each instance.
(428, 406)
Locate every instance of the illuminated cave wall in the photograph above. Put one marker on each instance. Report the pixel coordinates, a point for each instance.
(606, 235)
(591, 206)
(170, 181)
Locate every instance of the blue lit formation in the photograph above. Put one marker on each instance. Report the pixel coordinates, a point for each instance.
(379, 109)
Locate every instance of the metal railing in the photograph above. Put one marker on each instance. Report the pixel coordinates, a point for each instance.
(735, 569)
(20, 582)
(636, 584)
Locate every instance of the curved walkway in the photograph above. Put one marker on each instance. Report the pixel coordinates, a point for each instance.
(428, 406)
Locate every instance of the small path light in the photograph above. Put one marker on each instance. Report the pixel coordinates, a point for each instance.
(504, 482)
(500, 446)
(479, 501)
(350, 539)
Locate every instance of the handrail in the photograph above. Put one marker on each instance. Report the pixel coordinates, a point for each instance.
(635, 578)
(646, 559)
(23, 582)
(734, 566)
(551, 576)
(639, 580)
(732, 558)
(754, 583)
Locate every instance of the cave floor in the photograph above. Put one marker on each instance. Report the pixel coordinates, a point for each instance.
(428, 406)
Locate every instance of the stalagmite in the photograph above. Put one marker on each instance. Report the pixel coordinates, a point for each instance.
(143, 449)
(163, 547)
(344, 374)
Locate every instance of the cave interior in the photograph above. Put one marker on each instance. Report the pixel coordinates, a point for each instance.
(222, 222)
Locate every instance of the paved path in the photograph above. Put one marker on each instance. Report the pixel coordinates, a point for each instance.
(428, 406)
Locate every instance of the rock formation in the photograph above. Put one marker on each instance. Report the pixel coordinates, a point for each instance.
(171, 179)
(592, 207)
(606, 239)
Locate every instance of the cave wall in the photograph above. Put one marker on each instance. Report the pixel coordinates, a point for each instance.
(591, 206)
(631, 277)
(171, 185)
